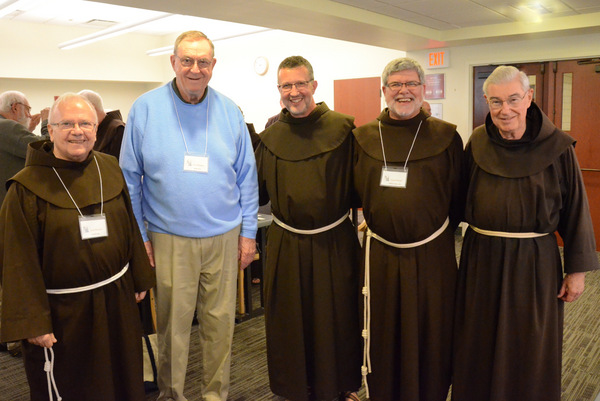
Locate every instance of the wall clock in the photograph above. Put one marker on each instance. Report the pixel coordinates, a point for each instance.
(261, 65)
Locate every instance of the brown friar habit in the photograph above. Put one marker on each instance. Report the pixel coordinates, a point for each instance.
(412, 289)
(509, 321)
(98, 355)
(311, 281)
(110, 134)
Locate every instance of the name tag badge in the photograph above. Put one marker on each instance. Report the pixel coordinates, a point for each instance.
(93, 226)
(196, 164)
(394, 177)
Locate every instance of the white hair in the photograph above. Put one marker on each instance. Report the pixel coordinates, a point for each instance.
(8, 98)
(66, 97)
(93, 97)
(504, 74)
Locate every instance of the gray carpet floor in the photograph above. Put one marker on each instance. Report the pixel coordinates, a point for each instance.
(249, 379)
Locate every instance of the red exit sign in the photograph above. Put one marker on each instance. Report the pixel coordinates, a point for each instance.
(438, 59)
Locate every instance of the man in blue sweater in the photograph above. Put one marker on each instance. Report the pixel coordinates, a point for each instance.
(191, 173)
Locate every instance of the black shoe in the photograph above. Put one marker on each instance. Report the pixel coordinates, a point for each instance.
(16, 351)
(3, 347)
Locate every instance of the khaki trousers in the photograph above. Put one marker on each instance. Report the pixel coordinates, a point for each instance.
(195, 274)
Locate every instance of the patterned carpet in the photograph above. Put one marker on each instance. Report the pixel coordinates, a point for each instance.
(581, 360)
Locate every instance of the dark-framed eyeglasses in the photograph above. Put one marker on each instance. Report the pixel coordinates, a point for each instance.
(299, 86)
(70, 125)
(188, 62)
(396, 86)
(513, 101)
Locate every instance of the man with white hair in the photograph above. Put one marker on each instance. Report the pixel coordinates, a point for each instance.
(524, 184)
(16, 124)
(110, 125)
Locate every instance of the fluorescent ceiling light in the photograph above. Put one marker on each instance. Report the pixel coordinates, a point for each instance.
(113, 31)
(538, 8)
(7, 7)
(159, 51)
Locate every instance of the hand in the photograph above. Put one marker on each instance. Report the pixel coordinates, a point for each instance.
(139, 296)
(246, 251)
(150, 252)
(572, 287)
(46, 341)
(45, 113)
(34, 121)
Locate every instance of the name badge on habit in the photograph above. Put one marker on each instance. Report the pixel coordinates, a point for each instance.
(196, 164)
(93, 226)
(394, 177)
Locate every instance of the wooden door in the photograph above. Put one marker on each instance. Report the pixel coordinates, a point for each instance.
(360, 97)
(577, 112)
(480, 107)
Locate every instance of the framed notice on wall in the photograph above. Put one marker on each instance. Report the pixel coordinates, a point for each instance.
(434, 86)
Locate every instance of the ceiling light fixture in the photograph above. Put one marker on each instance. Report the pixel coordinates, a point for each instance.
(159, 51)
(113, 31)
(7, 7)
(537, 8)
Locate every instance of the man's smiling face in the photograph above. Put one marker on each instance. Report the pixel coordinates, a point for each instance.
(404, 103)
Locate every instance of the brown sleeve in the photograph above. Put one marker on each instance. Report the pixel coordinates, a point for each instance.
(25, 305)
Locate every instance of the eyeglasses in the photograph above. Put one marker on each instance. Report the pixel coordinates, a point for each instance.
(69, 125)
(512, 101)
(396, 86)
(24, 105)
(299, 86)
(189, 62)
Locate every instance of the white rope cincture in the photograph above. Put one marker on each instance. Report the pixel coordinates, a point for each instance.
(313, 231)
(365, 369)
(49, 369)
(49, 365)
(91, 286)
(366, 291)
(505, 234)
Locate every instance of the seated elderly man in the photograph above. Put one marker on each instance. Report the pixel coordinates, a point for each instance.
(524, 184)
(73, 265)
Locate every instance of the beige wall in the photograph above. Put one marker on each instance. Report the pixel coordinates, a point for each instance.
(41, 92)
(119, 69)
(258, 96)
(458, 104)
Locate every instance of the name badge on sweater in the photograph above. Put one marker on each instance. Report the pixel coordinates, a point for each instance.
(93, 226)
(394, 177)
(196, 164)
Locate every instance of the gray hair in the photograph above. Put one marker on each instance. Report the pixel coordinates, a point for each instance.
(93, 97)
(402, 64)
(65, 98)
(194, 36)
(8, 98)
(504, 74)
(295, 62)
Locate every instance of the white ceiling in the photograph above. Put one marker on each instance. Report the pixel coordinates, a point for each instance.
(398, 24)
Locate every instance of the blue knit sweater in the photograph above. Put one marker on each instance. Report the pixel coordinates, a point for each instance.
(189, 204)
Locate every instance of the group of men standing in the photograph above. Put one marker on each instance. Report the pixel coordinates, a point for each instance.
(192, 177)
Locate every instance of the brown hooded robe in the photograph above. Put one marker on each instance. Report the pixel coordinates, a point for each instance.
(98, 355)
(509, 321)
(311, 281)
(412, 289)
